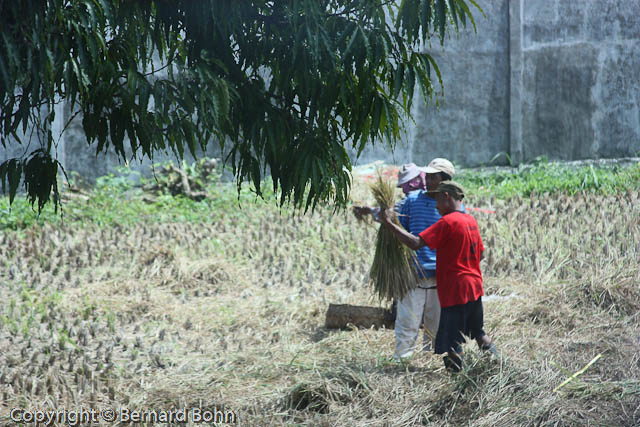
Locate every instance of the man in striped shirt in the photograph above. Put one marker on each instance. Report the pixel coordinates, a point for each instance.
(421, 305)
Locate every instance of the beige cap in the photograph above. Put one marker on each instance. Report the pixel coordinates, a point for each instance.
(440, 165)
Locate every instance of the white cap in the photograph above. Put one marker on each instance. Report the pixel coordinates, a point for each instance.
(407, 172)
(440, 165)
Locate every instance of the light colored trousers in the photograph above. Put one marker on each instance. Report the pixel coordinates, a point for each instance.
(419, 304)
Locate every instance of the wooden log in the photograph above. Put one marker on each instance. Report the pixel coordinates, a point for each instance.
(342, 316)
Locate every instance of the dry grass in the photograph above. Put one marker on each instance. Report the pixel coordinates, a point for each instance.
(230, 315)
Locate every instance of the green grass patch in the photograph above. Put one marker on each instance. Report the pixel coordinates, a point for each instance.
(119, 199)
(545, 177)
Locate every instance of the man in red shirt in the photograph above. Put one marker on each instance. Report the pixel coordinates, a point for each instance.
(459, 247)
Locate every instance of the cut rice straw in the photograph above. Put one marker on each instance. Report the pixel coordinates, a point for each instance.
(580, 372)
(392, 273)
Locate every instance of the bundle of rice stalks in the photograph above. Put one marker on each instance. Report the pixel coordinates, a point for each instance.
(392, 273)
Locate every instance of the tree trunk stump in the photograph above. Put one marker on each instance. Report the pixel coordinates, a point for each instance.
(342, 316)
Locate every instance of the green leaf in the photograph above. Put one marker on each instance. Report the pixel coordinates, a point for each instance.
(454, 12)
(14, 175)
(441, 18)
(425, 17)
(435, 67)
(4, 167)
(189, 136)
(398, 80)
(352, 40)
(132, 80)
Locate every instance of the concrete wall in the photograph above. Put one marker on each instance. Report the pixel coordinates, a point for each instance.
(550, 78)
(581, 87)
(470, 124)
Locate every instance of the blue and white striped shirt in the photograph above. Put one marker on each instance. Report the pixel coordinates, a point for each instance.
(417, 213)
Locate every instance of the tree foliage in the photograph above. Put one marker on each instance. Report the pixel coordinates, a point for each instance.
(285, 87)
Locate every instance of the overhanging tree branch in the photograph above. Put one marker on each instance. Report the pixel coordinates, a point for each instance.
(278, 84)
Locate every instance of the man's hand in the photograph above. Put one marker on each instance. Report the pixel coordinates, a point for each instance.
(361, 211)
(386, 216)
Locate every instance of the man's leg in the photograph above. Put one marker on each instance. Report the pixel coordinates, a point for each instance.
(450, 338)
(431, 318)
(408, 322)
(476, 324)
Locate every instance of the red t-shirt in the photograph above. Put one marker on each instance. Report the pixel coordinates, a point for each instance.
(458, 245)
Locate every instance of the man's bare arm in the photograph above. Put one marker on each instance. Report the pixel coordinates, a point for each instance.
(406, 238)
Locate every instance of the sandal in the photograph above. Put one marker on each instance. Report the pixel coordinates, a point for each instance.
(452, 365)
(491, 348)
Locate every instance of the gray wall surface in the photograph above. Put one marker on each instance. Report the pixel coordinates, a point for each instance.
(550, 78)
(581, 87)
(471, 122)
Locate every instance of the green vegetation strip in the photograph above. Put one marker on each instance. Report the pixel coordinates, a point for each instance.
(551, 178)
(115, 199)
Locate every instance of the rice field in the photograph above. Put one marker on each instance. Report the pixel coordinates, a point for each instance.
(227, 313)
